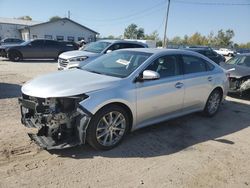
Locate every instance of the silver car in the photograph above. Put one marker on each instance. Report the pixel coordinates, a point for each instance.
(120, 92)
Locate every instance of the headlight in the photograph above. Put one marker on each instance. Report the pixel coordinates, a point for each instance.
(81, 58)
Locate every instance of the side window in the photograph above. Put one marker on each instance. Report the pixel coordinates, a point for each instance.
(137, 46)
(37, 43)
(116, 46)
(166, 66)
(50, 43)
(193, 64)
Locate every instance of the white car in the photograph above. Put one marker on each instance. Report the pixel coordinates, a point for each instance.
(225, 52)
(79, 58)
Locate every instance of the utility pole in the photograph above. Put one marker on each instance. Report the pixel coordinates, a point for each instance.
(166, 26)
(68, 14)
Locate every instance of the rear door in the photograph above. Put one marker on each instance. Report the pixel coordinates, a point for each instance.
(158, 98)
(198, 81)
(51, 49)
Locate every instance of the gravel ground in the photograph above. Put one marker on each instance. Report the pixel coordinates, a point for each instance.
(192, 151)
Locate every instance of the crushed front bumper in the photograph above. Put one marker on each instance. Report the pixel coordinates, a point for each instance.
(63, 137)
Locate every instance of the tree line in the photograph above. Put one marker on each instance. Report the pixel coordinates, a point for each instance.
(220, 39)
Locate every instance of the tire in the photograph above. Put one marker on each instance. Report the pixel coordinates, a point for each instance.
(105, 134)
(213, 103)
(230, 55)
(15, 56)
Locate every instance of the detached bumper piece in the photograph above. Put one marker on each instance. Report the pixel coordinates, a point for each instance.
(49, 144)
(55, 129)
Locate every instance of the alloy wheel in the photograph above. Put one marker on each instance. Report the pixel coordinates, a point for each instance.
(111, 128)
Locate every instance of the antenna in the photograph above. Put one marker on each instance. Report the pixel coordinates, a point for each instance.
(69, 14)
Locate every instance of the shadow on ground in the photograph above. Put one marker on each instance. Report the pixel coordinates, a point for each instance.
(244, 96)
(32, 61)
(173, 136)
(8, 90)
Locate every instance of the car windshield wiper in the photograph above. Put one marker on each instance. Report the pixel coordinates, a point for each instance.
(92, 71)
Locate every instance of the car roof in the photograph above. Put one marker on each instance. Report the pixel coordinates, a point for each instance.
(162, 50)
(122, 41)
(198, 49)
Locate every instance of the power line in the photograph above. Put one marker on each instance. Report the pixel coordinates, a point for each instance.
(149, 9)
(211, 3)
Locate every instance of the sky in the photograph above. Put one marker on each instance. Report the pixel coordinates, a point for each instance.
(111, 17)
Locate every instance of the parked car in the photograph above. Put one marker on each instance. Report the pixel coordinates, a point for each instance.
(211, 54)
(226, 52)
(242, 51)
(7, 41)
(93, 50)
(239, 73)
(38, 48)
(120, 92)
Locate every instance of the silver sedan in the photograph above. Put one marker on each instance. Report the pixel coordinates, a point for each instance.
(120, 92)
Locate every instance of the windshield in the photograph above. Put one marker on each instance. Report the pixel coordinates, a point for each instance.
(118, 63)
(240, 60)
(96, 47)
(25, 43)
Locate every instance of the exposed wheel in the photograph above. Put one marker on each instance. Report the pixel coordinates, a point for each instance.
(15, 56)
(230, 55)
(108, 127)
(213, 103)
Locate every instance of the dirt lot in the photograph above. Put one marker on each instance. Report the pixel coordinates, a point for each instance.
(192, 151)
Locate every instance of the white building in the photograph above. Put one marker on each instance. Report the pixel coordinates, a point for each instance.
(9, 27)
(62, 29)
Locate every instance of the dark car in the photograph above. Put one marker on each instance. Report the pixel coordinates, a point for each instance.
(239, 73)
(208, 52)
(38, 49)
(7, 41)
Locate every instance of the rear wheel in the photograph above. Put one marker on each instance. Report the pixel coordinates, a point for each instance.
(15, 56)
(108, 127)
(213, 103)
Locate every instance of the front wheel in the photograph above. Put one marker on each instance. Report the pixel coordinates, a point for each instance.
(108, 127)
(15, 56)
(213, 103)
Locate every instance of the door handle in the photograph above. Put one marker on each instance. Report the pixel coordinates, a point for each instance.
(210, 78)
(178, 85)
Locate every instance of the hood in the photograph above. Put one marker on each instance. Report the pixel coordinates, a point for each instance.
(67, 83)
(240, 71)
(4, 46)
(76, 53)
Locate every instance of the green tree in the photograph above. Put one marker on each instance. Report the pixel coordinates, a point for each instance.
(177, 40)
(152, 36)
(110, 37)
(197, 39)
(224, 38)
(140, 33)
(131, 32)
(25, 18)
(54, 18)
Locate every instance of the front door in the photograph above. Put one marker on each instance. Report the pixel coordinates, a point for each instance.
(159, 98)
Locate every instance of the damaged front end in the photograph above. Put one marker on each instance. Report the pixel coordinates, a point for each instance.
(61, 122)
(239, 84)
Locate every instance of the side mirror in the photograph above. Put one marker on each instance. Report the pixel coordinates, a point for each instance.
(108, 51)
(148, 75)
